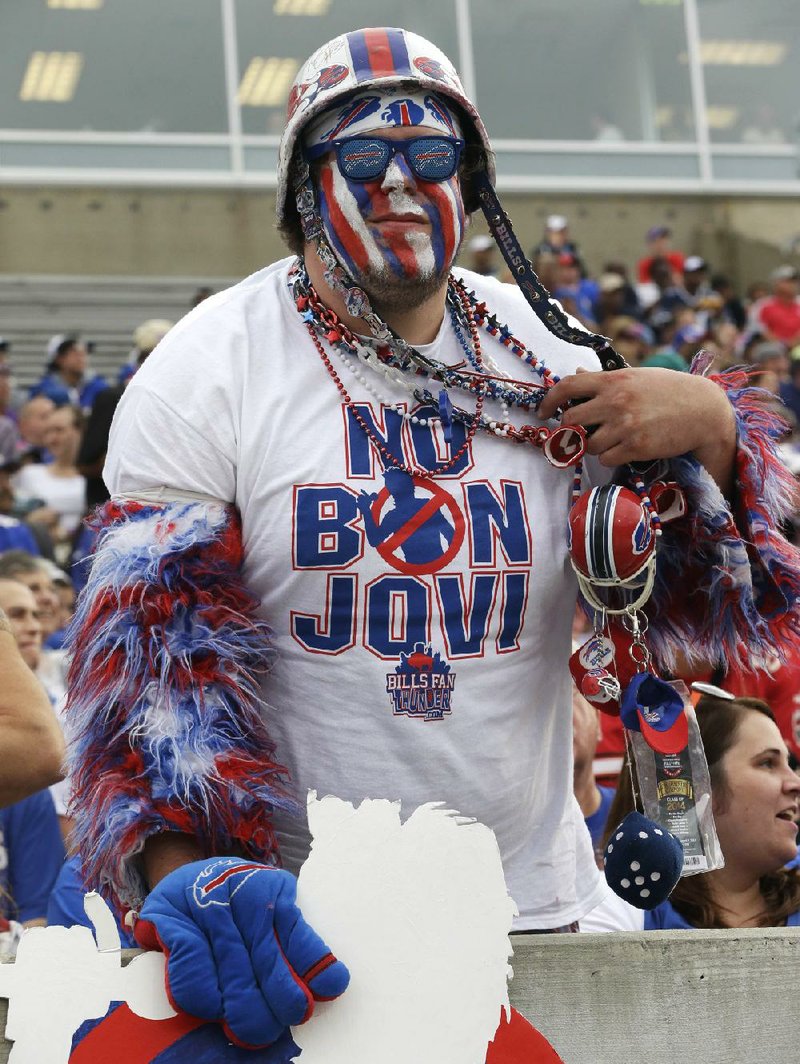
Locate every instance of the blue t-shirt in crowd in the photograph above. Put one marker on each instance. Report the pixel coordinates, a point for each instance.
(56, 640)
(790, 397)
(53, 387)
(66, 902)
(665, 918)
(585, 294)
(14, 535)
(31, 856)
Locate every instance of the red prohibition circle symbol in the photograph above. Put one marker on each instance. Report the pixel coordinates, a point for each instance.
(439, 500)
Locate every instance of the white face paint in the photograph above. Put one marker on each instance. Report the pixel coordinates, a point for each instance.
(401, 204)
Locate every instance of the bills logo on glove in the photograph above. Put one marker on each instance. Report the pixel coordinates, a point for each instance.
(238, 949)
(220, 880)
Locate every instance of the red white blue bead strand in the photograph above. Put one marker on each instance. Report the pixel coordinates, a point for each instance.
(407, 368)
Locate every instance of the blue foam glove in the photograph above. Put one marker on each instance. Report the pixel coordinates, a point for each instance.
(238, 949)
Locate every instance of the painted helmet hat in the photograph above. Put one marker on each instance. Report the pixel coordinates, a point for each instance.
(379, 58)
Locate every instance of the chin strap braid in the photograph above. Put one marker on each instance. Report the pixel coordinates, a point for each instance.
(545, 308)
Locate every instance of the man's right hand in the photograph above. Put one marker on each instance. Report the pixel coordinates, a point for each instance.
(238, 949)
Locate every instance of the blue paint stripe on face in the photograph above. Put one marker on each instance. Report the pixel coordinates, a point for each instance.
(363, 197)
(400, 160)
(390, 258)
(361, 194)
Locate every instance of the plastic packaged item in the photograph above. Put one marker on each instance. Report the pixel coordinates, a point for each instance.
(675, 792)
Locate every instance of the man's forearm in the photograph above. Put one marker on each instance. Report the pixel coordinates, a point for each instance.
(146, 622)
(718, 456)
(31, 742)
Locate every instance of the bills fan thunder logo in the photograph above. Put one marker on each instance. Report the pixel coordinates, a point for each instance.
(421, 685)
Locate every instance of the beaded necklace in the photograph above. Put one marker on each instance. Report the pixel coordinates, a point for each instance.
(357, 357)
(405, 366)
(338, 333)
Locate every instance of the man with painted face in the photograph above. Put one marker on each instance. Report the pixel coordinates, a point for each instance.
(395, 230)
(421, 631)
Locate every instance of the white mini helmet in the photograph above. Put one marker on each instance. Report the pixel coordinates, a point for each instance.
(380, 57)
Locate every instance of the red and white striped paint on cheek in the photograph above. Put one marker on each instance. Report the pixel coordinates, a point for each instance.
(344, 223)
(434, 248)
(446, 201)
(347, 207)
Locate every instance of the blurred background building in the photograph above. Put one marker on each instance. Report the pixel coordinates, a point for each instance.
(138, 138)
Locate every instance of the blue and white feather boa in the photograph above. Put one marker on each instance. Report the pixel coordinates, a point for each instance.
(164, 713)
(727, 583)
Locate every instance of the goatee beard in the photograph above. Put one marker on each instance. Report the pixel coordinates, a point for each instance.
(388, 292)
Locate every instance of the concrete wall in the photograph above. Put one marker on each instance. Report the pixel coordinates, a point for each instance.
(197, 233)
(710, 997)
(141, 233)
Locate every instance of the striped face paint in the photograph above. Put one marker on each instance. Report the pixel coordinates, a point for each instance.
(395, 227)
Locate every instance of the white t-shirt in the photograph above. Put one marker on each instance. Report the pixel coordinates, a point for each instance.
(612, 914)
(431, 666)
(65, 495)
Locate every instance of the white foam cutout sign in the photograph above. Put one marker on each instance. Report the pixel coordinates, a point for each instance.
(417, 909)
(61, 978)
(420, 914)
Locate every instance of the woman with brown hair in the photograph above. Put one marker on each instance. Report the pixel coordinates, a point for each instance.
(755, 804)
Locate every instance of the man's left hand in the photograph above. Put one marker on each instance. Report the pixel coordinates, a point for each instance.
(639, 415)
(238, 949)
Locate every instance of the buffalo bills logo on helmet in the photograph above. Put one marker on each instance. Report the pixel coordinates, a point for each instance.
(431, 67)
(403, 113)
(354, 111)
(643, 534)
(218, 882)
(330, 76)
(295, 96)
(307, 91)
